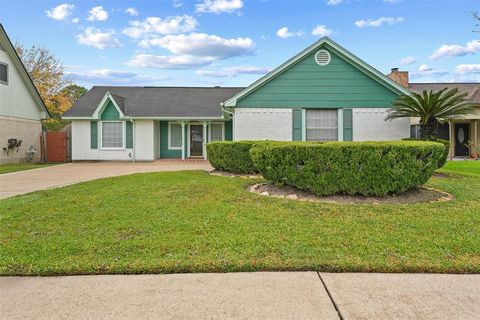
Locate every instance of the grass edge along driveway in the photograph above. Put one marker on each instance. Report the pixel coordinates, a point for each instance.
(189, 221)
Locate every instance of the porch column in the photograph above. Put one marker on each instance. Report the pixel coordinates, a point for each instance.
(183, 140)
(452, 138)
(204, 140)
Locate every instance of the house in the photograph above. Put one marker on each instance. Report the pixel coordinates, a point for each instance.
(324, 93)
(21, 108)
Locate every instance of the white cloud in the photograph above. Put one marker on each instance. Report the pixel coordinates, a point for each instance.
(97, 14)
(177, 3)
(456, 50)
(464, 69)
(426, 70)
(202, 45)
(321, 30)
(109, 76)
(75, 20)
(284, 33)
(152, 26)
(233, 71)
(132, 11)
(60, 12)
(408, 60)
(334, 2)
(168, 62)
(378, 22)
(218, 6)
(99, 39)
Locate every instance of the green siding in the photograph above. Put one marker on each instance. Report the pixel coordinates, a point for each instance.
(347, 125)
(229, 130)
(164, 152)
(308, 85)
(93, 135)
(110, 112)
(297, 125)
(129, 135)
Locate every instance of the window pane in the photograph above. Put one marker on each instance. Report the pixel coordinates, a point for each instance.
(322, 125)
(175, 135)
(216, 134)
(112, 134)
(3, 73)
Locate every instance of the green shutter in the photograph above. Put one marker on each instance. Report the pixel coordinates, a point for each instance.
(93, 135)
(347, 125)
(297, 125)
(129, 135)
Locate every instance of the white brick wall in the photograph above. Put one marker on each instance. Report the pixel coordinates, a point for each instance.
(369, 125)
(262, 124)
(144, 143)
(28, 131)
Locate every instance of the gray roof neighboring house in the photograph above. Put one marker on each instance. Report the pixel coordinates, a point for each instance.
(168, 102)
(472, 89)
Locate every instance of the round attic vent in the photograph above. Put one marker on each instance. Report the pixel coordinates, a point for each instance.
(322, 57)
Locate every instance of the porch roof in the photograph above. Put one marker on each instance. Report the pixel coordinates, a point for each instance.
(145, 102)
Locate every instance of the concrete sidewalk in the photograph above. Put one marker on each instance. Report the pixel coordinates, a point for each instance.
(21, 182)
(260, 295)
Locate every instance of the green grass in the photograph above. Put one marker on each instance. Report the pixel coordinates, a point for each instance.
(13, 167)
(465, 167)
(192, 222)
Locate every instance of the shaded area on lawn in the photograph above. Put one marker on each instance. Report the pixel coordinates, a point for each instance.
(193, 222)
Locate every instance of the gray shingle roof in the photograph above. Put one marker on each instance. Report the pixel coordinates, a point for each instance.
(472, 89)
(187, 102)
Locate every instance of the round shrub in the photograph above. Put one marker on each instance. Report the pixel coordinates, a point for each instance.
(232, 156)
(366, 168)
(446, 144)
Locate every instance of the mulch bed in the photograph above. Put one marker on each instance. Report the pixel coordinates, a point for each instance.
(419, 195)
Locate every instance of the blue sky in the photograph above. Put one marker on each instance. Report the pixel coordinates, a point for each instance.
(234, 42)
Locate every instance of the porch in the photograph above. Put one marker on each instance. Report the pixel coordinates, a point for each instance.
(464, 137)
(187, 139)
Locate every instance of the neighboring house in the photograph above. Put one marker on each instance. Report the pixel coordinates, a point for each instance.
(324, 93)
(21, 108)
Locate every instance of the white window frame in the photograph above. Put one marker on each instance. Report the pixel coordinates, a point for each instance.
(210, 131)
(170, 136)
(1, 81)
(100, 136)
(328, 128)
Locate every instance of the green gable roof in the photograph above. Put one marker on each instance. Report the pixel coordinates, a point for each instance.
(346, 81)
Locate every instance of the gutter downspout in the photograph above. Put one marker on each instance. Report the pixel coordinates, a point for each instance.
(222, 106)
(133, 138)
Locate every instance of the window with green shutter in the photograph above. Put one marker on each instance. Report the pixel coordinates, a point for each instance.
(93, 135)
(347, 125)
(129, 135)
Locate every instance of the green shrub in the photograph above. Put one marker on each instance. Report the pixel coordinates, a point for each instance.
(232, 156)
(366, 168)
(446, 144)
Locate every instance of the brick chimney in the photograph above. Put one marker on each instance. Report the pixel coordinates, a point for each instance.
(400, 77)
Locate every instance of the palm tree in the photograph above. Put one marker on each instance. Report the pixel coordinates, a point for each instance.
(431, 107)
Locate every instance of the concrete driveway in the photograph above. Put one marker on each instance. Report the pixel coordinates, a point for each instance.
(21, 182)
(256, 295)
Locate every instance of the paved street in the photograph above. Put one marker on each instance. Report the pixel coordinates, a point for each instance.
(260, 295)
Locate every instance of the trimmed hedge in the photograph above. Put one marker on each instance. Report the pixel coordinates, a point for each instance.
(446, 144)
(366, 168)
(232, 156)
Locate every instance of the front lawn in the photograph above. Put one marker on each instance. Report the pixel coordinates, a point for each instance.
(192, 222)
(13, 167)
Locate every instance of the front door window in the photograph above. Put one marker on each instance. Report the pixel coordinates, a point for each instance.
(196, 140)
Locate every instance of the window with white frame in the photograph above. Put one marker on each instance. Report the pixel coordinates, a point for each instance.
(322, 125)
(216, 132)
(174, 136)
(112, 134)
